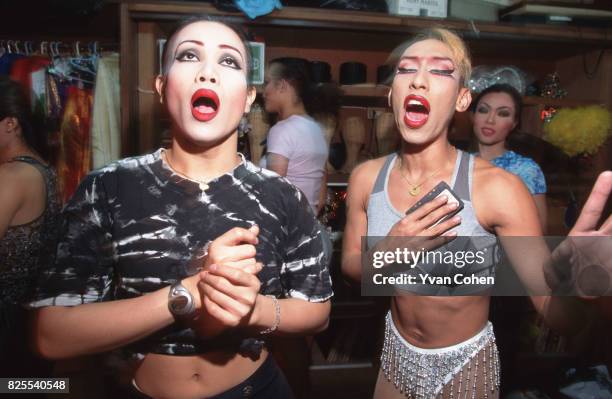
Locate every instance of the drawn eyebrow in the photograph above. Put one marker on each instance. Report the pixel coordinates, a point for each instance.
(227, 46)
(415, 58)
(498, 108)
(187, 41)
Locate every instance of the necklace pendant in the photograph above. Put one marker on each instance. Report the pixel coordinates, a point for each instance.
(415, 190)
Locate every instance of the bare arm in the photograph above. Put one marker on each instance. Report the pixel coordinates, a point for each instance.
(292, 320)
(12, 197)
(511, 211)
(540, 202)
(277, 163)
(61, 332)
(356, 221)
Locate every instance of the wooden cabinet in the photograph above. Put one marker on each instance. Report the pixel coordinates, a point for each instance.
(336, 37)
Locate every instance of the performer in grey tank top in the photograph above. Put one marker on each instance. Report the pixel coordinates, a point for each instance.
(441, 345)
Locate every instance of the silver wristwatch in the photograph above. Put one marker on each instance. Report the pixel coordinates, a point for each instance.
(180, 301)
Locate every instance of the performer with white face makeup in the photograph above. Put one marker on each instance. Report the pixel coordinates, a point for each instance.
(182, 261)
(442, 346)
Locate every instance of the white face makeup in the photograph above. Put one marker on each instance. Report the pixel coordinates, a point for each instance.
(205, 88)
(494, 118)
(426, 91)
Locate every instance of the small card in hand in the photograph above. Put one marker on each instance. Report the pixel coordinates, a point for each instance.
(440, 189)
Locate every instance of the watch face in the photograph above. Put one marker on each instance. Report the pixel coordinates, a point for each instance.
(179, 303)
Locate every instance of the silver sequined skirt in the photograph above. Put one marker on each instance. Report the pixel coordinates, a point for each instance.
(424, 373)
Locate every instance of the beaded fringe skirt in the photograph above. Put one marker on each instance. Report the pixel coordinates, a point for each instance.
(431, 373)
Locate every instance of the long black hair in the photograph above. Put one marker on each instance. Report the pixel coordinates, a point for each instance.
(15, 104)
(318, 98)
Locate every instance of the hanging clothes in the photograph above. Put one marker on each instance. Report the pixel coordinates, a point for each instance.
(6, 62)
(106, 130)
(74, 76)
(61, 91)
(30, 72)
(23, 68)
(75, 141)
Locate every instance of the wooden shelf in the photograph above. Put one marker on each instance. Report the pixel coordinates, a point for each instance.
(337, 180)
(368, 21)
(555, 102)
(365, 90)
(372, 90)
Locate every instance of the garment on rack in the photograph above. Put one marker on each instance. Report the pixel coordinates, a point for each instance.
(74, 138)
(105, 130)
(23, 68)
(71, 82)
(6, 62)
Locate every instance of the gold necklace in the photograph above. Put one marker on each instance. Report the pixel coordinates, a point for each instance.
(415, 189)
(202, 183)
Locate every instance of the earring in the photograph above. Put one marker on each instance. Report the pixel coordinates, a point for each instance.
(244, 127)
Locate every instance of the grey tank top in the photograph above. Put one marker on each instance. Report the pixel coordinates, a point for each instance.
(471, 236)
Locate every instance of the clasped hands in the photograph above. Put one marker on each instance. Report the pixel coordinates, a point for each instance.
(226, 290)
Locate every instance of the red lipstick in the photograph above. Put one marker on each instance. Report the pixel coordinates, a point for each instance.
(417, 111)
(204, 105)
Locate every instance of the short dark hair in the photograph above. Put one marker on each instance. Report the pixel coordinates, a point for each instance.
(318, 98)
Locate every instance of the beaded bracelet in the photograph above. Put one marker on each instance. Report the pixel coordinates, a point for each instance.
(277, 316)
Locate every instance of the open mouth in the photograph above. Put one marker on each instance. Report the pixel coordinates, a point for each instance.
(204, 105)
(417, 111)
(487, 132)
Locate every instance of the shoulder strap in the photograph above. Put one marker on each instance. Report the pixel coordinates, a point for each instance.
(379, 184)
(462, 181)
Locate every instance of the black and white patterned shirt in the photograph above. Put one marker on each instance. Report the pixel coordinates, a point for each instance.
(135, 226)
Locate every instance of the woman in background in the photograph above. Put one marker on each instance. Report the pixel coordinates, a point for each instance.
(28, 225)
(496, 112)
(296, 145)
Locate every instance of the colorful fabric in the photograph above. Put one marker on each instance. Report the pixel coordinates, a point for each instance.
(75, 141)
(525, 168)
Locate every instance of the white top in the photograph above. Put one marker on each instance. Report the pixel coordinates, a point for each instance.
(301, 140)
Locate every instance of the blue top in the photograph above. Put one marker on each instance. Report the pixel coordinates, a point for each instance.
(525, 168)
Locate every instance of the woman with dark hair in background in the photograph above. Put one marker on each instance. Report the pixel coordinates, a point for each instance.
(496, 113)
(28, 224)
(181, 261)
(296, 144)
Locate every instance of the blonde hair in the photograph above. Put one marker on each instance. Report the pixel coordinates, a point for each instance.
(459, 50)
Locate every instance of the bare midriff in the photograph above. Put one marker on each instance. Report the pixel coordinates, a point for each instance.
(436, 322)
(164, 376)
